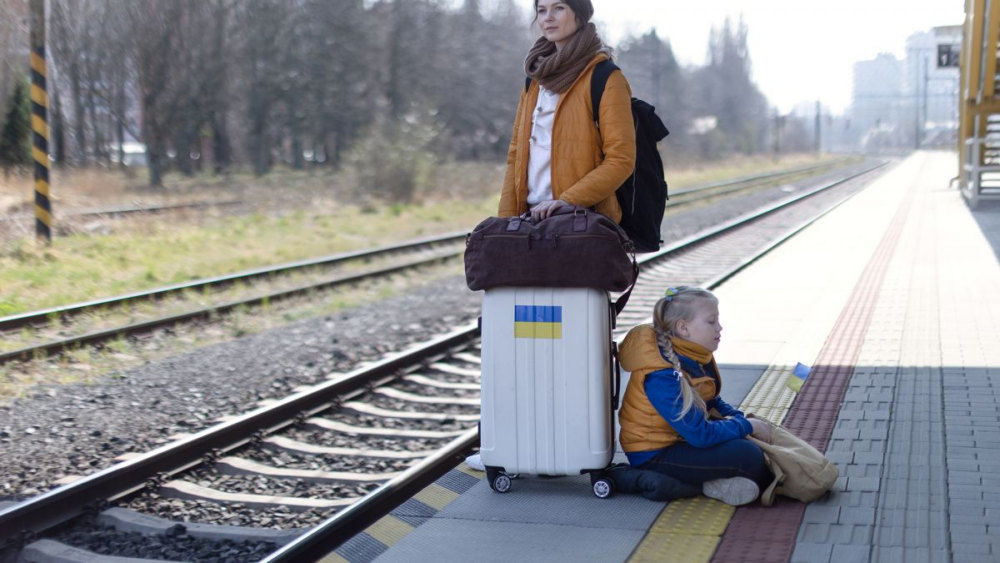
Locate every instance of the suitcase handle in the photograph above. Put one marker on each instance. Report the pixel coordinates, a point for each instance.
(618, 376)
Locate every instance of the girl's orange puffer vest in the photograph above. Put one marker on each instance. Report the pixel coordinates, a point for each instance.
(643, 429)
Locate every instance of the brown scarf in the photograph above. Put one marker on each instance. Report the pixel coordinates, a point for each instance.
(557, 70)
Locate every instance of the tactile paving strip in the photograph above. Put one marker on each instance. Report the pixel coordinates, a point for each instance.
(768, 534)
(770, 398)
(389, 530)
(685, 531)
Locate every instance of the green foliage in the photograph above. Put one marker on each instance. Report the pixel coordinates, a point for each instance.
(15, 140)
(393, 159)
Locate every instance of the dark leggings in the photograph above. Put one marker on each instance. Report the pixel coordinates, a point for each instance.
(735, 458)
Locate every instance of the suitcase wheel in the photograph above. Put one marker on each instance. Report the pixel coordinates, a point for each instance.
(500, 483)
(603, 488)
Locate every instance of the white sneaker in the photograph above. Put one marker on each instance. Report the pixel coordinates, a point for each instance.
(474, 461)
(734, 491)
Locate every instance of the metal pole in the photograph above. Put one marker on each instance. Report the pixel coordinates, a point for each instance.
(656, 67)
(819, 124)
(774, 139)
(927, 80)
(40, 123)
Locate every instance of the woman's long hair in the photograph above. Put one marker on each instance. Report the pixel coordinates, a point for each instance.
(681, 305)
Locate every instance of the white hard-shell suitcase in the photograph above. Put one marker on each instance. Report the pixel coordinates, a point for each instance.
(548, 394)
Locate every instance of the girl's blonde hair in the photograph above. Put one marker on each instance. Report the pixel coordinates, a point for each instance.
(680, 304)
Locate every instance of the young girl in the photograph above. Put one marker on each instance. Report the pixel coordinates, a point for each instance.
(673, 420)
(557, 155)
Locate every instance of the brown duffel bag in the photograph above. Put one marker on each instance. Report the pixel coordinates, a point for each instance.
(575, 247)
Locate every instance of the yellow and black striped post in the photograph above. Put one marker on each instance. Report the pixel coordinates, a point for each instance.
(40, 122)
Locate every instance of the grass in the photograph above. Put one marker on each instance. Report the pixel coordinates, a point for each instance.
(147, 252)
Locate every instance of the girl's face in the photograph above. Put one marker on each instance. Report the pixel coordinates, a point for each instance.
(557, 21)
(704, 328)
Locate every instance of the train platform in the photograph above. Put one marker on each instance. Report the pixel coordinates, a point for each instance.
(892, 300)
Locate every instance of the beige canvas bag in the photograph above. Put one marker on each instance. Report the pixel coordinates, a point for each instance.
(800, 470)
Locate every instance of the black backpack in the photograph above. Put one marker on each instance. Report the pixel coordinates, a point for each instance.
(643, 196)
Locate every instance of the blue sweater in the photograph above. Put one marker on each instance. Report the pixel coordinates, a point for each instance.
(663, 388)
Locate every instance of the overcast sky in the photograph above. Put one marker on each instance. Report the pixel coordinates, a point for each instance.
(802, 50)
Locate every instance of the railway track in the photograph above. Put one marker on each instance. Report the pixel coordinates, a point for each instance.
(316, 275)
(396, 424)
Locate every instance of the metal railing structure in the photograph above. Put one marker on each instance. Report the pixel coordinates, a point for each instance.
(979, 133)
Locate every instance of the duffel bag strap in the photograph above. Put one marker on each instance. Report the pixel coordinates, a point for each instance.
(623, 300)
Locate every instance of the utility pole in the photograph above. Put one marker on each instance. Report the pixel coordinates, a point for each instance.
(777, 134)
(819, 125)
(656, 68)
(40, 123)
(927, 79)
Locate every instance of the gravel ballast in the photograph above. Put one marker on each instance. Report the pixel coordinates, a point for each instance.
(77, 429)
(176, 546)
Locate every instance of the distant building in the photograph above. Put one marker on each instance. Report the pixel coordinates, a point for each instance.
(930, 89)
(877, 108)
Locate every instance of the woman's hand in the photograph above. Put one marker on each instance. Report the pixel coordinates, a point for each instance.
(761, 430)
(545, 209)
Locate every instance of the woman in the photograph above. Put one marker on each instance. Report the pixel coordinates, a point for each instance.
(557, 155)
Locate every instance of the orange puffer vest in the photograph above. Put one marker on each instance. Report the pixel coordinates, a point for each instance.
(588, 165)
(643, 429)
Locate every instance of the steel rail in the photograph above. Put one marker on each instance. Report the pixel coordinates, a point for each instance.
(208, 312)
(703, 193)
(56, 506)
(324, 538)
(330, 534)
(42, 317)
(754, 178)
(59, 505)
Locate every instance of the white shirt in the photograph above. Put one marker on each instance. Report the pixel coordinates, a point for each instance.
(540, 156)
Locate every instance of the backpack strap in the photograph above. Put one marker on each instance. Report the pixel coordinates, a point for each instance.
(598, 81)
(527, 83)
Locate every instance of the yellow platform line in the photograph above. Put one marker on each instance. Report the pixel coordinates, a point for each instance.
(333, 557)
(436, 496)
(389, 530)
(689, 530)
(470, 471)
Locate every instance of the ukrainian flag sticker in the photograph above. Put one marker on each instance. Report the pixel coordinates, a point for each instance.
(537, 321)
(798, 377)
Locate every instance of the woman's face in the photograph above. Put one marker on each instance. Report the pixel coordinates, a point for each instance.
(704, 328)
(557, 21)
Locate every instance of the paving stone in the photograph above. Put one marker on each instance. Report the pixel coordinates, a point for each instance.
(863, 484)
(848, 498)
(850, 553)
(811, 553)
(853, 515)
(968, 528)
(821, 514)
(876, 458)
(841, 458)
(970, 548)
(970, 539)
